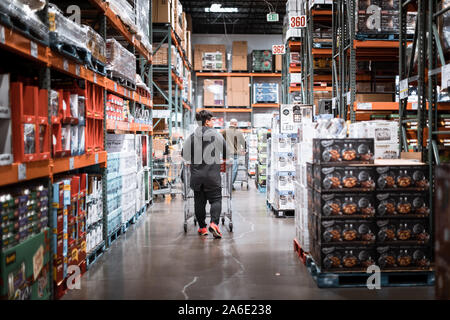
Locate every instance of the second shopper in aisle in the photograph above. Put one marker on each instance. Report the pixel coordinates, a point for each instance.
(204, 150)
(236, 145)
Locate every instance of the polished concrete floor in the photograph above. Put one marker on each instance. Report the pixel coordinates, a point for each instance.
(155, 259)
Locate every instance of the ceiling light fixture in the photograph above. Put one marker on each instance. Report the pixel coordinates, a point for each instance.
(216, 7)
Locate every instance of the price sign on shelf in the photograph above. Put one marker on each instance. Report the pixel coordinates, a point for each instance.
(77, 70)
(34, 49)
(71, 163)
(96, 158)
(2, 35)
(297, 21)
(445, 76)
(279, 49)
(22, 172)
(66, 65)
(404, 88)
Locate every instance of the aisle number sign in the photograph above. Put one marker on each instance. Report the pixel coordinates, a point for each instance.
(297, 21)
(279, 49)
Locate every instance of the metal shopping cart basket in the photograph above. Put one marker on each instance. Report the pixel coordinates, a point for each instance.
(188, 195)
(242, 171)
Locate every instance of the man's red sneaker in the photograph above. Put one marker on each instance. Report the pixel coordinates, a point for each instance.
(214, 229)
(202, 231)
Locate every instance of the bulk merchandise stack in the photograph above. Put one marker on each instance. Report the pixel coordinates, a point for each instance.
(261, 166)
(57, 101)
(281, 170)
(361, 211)
(252, 150)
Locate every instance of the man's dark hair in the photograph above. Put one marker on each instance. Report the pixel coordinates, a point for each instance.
(203, 116)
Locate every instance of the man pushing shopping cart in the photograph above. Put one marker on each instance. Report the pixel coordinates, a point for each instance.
(205, 150)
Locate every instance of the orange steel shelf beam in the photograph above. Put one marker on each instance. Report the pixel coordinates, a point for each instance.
(295, 69)
(236, 74)
(17, 43)
(177, 45)
(63, 164)
(323, 52)
(265, 105)
(294, 44)
(120, 26)
(227, 109)
(10, 174)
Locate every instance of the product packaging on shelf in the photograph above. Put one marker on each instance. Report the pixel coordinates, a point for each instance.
(125, 11)
(6, 153)
(353, 205)
(65, 31)
(266, 92)
(344, 178)
(120, 62)
(213, 93)
(343, 151)
(345, 231)
(411, 204)
(262, 61)
(395, 231)
(96, 44)
(21, 11)
(210, 56)
(345, 258)
(411, 177)
(142, 12)
(404, 257)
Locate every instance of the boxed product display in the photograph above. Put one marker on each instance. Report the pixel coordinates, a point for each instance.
(404, 257)
(209, 56)
(343, 151)
(262, 61)
(121, 62)
(266, 92)
(213, 92)
(6, 153)
(95, 44)
(343, 258)
(161, 57)
(337, 178)
(358, 205)
(284, 200)
(345, 231)
(412, 177)
(284, 180)
(402, 230)
(402, 204)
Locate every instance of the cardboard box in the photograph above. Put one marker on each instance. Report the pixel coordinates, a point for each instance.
(239, 55)
(374, 97)
(162, 11)
(278, 62)
(201, 49)
(238, 91)
(213, 93)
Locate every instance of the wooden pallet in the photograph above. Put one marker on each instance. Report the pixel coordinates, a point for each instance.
(359, 279)
(303, 255)
(113, 236)
(20, 26)
(95, 255)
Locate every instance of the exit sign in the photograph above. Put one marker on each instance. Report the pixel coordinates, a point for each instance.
(272, 17)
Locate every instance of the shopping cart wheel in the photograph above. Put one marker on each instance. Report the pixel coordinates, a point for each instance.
(185, 227)
(223, 221)
(231, 227)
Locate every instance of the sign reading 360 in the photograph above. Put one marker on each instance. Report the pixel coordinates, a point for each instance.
(297, 21)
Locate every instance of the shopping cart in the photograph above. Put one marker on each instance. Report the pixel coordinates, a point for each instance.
(188, 195)
(242, 171)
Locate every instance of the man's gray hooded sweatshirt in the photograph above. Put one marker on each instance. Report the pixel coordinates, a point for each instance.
(204, 150)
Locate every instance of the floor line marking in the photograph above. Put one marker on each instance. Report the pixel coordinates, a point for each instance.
(186, 297)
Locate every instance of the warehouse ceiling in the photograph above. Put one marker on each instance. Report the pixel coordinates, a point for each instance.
(250, 18)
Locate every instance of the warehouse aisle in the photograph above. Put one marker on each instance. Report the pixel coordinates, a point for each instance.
(156, 260)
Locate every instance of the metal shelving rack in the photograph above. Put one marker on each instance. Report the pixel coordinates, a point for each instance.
(430, 56)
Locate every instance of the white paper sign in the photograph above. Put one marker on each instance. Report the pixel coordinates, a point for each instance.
(349, 96)
(96, 158)
(333, 103)
(22, 172)
(365, 106)
(95, 77)
(297, 21)
(415, 106)
(71, 163)
(445, 76)
(77, 70)
(66, 65)
(161, 114)
(34, 49)
(404, 88)
(2, 35)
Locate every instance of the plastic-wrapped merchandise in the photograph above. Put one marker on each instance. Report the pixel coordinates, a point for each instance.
(446, 26)
(95, 44)
(120, 61)
(125, 11)
(22, 12)
(142, 19)
(65, 30)
(35, 5)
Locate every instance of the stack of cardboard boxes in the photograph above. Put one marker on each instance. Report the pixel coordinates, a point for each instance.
(209, 57)
(239, 58)
(238, 91)
(213, 93)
